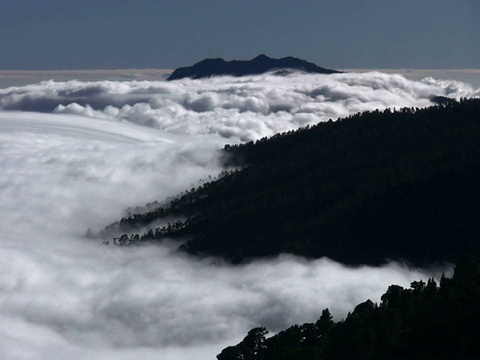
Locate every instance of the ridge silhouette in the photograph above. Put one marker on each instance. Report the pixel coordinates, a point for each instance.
(258, 65)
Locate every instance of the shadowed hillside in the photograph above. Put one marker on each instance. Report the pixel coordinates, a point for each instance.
(375, 186)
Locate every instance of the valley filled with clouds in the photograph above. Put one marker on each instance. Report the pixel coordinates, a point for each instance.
(75, 154)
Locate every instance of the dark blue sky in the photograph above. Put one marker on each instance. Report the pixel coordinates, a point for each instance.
(93, 34)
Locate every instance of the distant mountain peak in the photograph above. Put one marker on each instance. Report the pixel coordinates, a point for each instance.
(258, 65)
(261, 57)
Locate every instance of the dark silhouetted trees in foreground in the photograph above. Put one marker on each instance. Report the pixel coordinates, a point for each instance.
(380, 185)
(424, 322)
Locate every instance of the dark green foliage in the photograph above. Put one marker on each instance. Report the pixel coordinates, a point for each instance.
(380, 185)
(423, 322)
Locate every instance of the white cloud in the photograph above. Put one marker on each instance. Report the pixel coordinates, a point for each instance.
(65, 296)
(236, 108)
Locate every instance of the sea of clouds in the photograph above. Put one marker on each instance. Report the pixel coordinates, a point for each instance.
(74, 155)
(239, 109)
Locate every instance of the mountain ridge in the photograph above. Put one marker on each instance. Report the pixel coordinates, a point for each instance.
(258, 65)
(370, 188)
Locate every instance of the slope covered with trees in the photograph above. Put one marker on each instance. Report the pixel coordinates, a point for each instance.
(424, 322)
(379, 185)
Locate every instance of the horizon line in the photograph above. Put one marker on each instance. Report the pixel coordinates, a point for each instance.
(166, 70)
(49, 71)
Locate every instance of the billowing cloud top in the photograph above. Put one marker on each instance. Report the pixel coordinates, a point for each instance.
(238, 109)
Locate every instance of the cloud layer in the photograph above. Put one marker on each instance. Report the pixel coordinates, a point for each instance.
(65, 296)
(244, 108)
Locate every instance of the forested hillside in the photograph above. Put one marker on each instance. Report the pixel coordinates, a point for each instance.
(379, 185)
(424, 322)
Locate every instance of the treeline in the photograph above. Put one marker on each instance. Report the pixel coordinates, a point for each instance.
(424, 322)
(374, 186)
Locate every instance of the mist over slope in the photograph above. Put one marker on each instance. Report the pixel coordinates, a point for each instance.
(74, 155)
(360, 190)
(426, 321)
